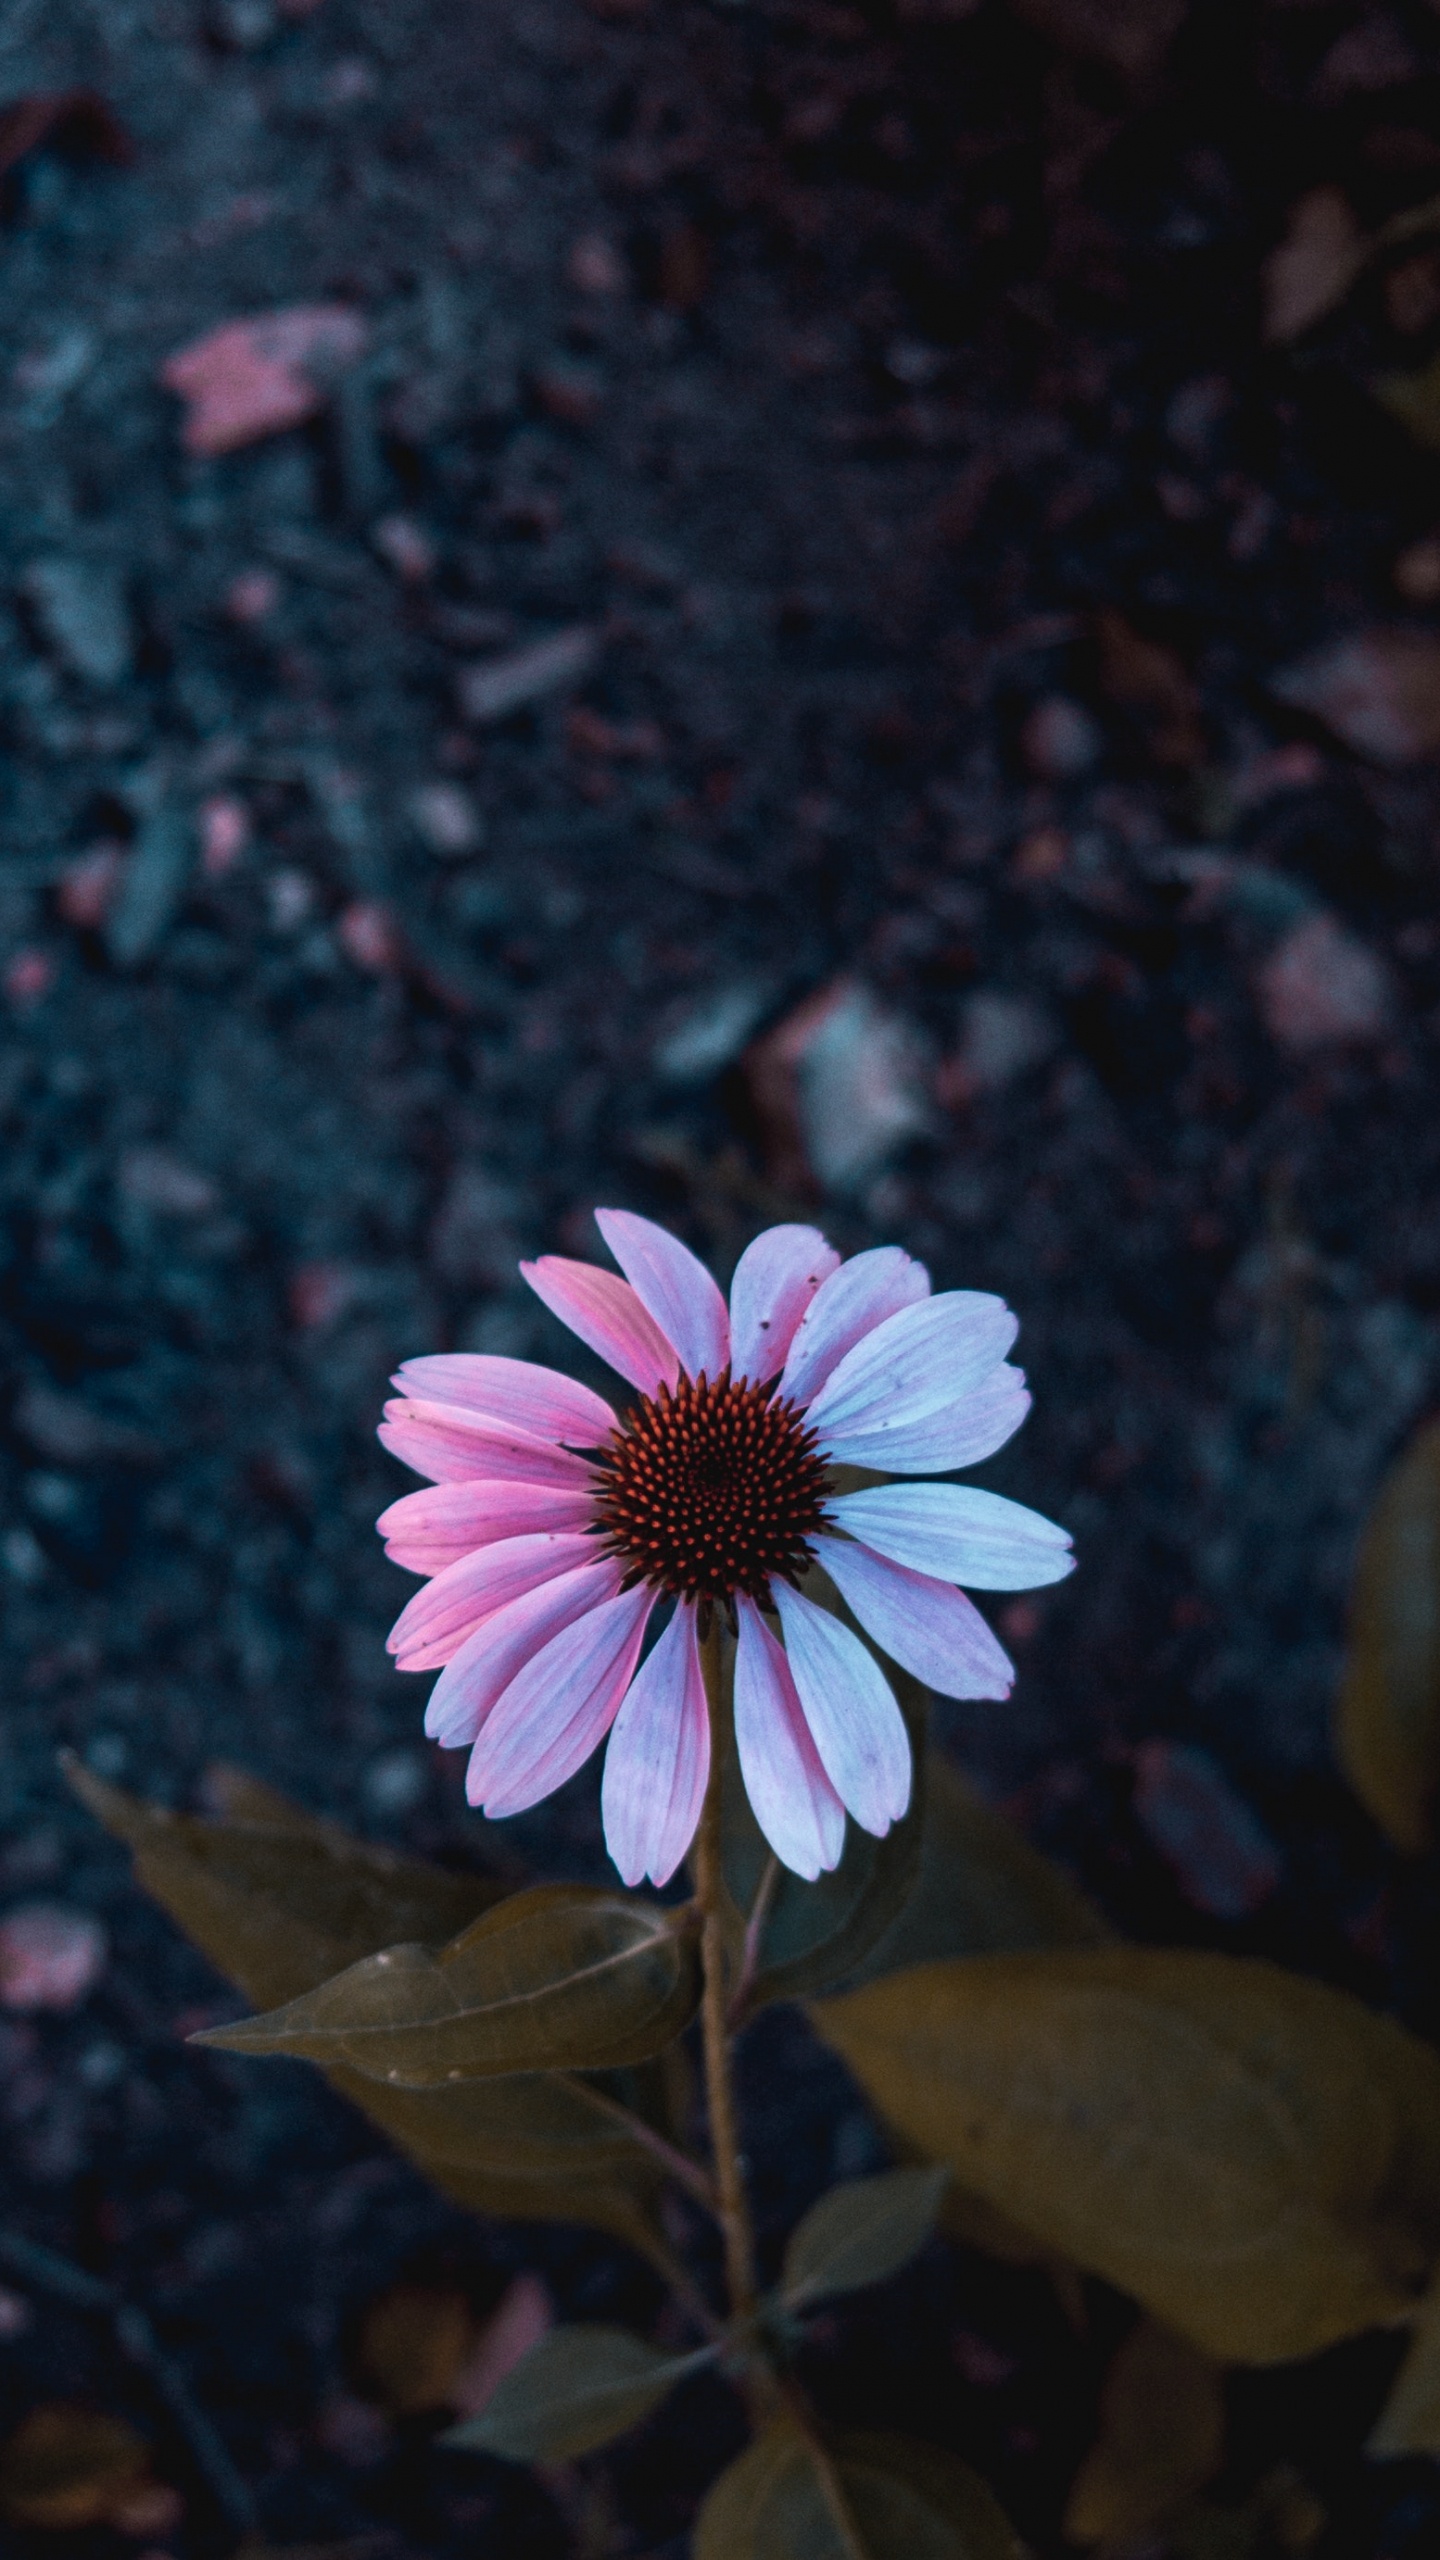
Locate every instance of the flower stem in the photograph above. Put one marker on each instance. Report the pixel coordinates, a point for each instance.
(719, 2079)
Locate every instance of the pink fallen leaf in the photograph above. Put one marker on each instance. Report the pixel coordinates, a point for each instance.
(1133, 36)
(50, 1956)
(1223, 1859)
(1314, 266)
(523, 2317)
(1378, 690)
(251, 378)
(1321, 985)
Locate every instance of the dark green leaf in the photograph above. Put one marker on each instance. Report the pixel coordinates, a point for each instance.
(1389, 1714)
(870, 2498)
(576, 2389)
(860, 2233)
(562, 1977)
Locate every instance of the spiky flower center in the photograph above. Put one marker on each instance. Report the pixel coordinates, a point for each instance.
(711, 1490)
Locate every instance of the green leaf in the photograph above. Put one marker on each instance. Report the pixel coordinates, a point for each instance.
(1389, 1711)
(1254, 2157)
(860, 2233)
(561, 1977)
(1162, 2437)
(869, 2498)
(1409, 2423)
(576, 2389)
(281, 1905)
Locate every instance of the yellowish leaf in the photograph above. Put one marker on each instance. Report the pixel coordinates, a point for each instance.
(1162, 2436)
(1409, 2423)
(1254, 2157)
(1389, 1714)
(414, 2340)
(867, 2498)
(66, 2467)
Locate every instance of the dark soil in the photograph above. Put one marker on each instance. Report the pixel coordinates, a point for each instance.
(864, 384)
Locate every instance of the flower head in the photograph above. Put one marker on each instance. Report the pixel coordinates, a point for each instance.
(555, 1528)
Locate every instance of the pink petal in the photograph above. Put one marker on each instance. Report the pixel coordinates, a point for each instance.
(447, 1612)
(847, 1306)
(658, 1759)
(926, 1357)
(952, 1435)
(484, 1667)
(794, 1803)
(426, 1531)
(850, 1709)
(452, 1447)
(775, 1279)
(674, 1286)
(559, 1707)
(517, 1391)
(606, 1314)
(957, 1533)
(928, 1627)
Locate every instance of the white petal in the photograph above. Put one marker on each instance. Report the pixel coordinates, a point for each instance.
(658, 1759)
(447, 1612)
(928, 1627)
(484, 1667)
(957, 1533)
(559, 1708)
(539, 1399)
(927, 1355)
(793, 1801)
(775, 1279)
(673, 1286)
(847, 1306)
(850, 1709)
(953, 1435)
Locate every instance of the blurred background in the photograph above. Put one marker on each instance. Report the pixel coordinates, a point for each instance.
(829, 609)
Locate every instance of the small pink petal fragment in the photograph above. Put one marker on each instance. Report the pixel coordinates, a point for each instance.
(952, 1435)
(524, 2316)
(88, 884)
(442, 1617)
(793, 1801)
(607, 1315)
(370, 937)
(775, 1280)
(483, 1669)
(850, 1709)
(28, 977)
(427, 1531)
(676, 1289)
(541, 1400)
(447, 1444)
(851, 1303)
(224, 834)
(1322, 985)
(50, 1957)
(658, 1759)
(559, 1708)
(928, 1627)
(251, 378)
(1223, 1859)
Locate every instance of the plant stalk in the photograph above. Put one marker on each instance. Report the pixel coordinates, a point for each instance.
(734, 2203)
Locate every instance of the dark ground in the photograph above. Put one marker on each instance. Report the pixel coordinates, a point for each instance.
(919, 349)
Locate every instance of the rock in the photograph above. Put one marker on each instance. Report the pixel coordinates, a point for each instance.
(447, 818)
(50, 1956)
(68, 1431)
(841, 1089)
(88, 884)
(151, 1178)
(1378, 690)
(1223, 1859)
(251, 378)
(1059, 740)
(596, 266)
(709, 1035)
(150, 888)
(82, 613)
(406, 548)
(29, 975)
(1001, 1039)
(1321, 985)
(496, 687)
(369, 935)
(473, 1241)
(1314, 267)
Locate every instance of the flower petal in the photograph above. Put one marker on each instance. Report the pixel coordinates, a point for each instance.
(775, 1279)
(676, 1288)
(518, 1391)
(484, 1667)
(452, 1447)
(957, 1533)
(953, 1435)
(658, 1758)
(850, 1709)
(925, 1357)
(861, 1294)
(558, 1707)
(426, 1531)
(928, 1627)
(606, 1314)
(793, 1801)
(447, 1612)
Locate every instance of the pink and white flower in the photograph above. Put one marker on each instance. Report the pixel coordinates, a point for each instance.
(553, 1528)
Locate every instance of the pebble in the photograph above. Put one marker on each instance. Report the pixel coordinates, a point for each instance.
(82, 613)
(50, 1957)
(446, 817)
(496, 687)
(1060, 741)
(1322, 985)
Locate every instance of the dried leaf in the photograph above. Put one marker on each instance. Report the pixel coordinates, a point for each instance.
(1254, 2157)
(896, 2501)
(1414, 398)
(860, 2233)
(576, 2389)
(1133, 36)
(66, 2467)
(1378, 690)
(1150, 681)
(1223, 1860)
(1409, 2423)
(1314, 267)
(559, 1978)
(414, 2340)
(251, 378)
(1162, 2437)
(1322, 985)
(840, 1087)
(495, 688)
(1389, 1711)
